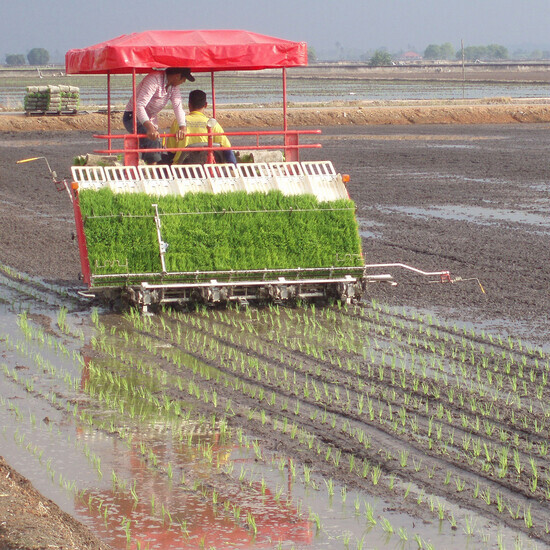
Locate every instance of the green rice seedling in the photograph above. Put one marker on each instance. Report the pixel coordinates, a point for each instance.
(369, 513)
(357, 505)
(469, 528)
(251, 522)
(486, 496)
(330, 487)
(344, 494)
(440, 510)
(307, 474)
(386, 525)
(499, 502)
(517, 463)
(527, 517)
(376, 473)
(460, 484)
(313, 516)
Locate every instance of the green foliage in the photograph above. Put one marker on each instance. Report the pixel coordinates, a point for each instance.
(38, 56)
(311, 55)
(484, 53)
(245, 157)
(15, 60)
(80, 160)
(207, 232)
(380, 58)
(443, 51)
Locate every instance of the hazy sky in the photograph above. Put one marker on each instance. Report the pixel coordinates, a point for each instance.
(60, 25)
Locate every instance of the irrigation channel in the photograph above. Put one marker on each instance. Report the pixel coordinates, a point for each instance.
(337, 426)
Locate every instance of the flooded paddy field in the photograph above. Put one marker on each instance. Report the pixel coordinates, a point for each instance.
(246, 89)
(417, 418)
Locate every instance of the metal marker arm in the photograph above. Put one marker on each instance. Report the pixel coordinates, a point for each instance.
(162, 245)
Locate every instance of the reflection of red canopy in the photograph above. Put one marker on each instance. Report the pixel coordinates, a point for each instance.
(206, 50)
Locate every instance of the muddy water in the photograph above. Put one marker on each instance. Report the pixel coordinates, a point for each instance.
(146, 429)
(483, 215)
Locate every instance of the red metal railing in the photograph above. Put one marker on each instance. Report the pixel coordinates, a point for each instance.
(291, 144)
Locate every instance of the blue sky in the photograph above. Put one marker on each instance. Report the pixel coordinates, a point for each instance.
(60, 25)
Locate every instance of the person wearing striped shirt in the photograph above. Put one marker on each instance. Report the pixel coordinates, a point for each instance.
(152, 94)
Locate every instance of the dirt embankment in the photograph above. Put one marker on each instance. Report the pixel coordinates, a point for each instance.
(28, 520)
(353, 113)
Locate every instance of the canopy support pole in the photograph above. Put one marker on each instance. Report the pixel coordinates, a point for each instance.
(284, 100)
(132, 142)
(213, 94)
(134, 98)
(109, 109)
(292, 153)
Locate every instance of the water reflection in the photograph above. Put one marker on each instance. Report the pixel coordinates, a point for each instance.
(200, 506)
(170, 491)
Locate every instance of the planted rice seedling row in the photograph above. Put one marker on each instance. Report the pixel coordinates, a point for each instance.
(252, 417)
(451, 391)
(491, 428)
(292, 413)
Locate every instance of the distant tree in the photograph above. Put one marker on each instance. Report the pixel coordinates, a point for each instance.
(311, 55)
(490, 52)
(365, 57)
(536, 54)
(14, 60)
(495, 51)
(380, 58)
(471, 53)
(443, 51)
(38, 56)
(433, 51)
(447, 51)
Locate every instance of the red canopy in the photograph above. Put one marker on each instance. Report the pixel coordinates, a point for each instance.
(206, 50)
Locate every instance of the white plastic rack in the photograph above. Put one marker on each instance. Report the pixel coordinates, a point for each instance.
(291, 178)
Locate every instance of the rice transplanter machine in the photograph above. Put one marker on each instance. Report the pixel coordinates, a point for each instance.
(283, 229)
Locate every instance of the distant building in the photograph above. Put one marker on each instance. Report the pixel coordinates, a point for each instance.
(410, 56)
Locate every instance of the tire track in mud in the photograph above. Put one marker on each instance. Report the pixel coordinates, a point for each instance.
(381, 436)
(21, 288)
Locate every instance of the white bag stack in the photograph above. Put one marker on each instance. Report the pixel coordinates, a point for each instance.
(52, 99)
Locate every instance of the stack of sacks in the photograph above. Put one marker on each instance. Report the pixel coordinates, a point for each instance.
(52, 98)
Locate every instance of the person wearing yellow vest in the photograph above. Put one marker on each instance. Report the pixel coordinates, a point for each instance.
(197, 123)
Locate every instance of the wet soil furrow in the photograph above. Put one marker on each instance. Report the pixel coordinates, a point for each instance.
(342, 413)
